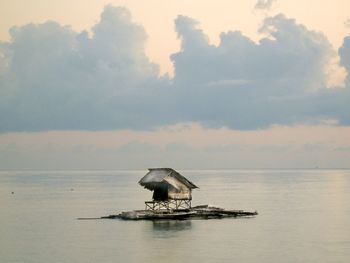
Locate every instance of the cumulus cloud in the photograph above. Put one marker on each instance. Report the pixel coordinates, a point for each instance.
(53, 78)
(289, 51)
(264, 4)
(344, 52)
(284, 76)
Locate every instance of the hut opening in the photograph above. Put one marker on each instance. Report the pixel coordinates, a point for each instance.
(170, 189)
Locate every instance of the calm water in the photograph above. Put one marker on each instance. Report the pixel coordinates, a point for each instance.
(304, 217)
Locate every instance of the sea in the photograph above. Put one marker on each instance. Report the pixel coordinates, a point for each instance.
(304, 216)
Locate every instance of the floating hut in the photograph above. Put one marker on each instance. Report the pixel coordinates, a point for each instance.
(171, 190)
(172, 196)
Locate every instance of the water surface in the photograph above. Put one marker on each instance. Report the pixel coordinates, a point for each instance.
(304, 216)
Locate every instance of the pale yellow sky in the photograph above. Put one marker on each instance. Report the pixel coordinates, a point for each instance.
(157, 17)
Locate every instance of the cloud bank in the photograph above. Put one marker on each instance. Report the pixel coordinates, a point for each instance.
(53, 78)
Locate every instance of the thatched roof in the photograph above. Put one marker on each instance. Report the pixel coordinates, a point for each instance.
(159, 176)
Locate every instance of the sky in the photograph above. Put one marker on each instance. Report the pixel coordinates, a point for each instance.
(185, 84)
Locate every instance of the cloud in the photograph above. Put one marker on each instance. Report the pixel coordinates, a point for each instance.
(344, 53)
(289, 51)
(54, 78)
(284, 76)
(264, 4)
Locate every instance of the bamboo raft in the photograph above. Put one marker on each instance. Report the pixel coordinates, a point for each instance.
(196, 212)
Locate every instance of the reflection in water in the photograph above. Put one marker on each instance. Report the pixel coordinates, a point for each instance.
(168, 228)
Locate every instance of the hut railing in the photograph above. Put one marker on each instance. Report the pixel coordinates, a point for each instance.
(168, 205)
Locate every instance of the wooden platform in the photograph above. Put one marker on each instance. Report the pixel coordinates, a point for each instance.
(197, 212)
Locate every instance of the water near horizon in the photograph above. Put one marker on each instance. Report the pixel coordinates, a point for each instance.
(304, 216)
